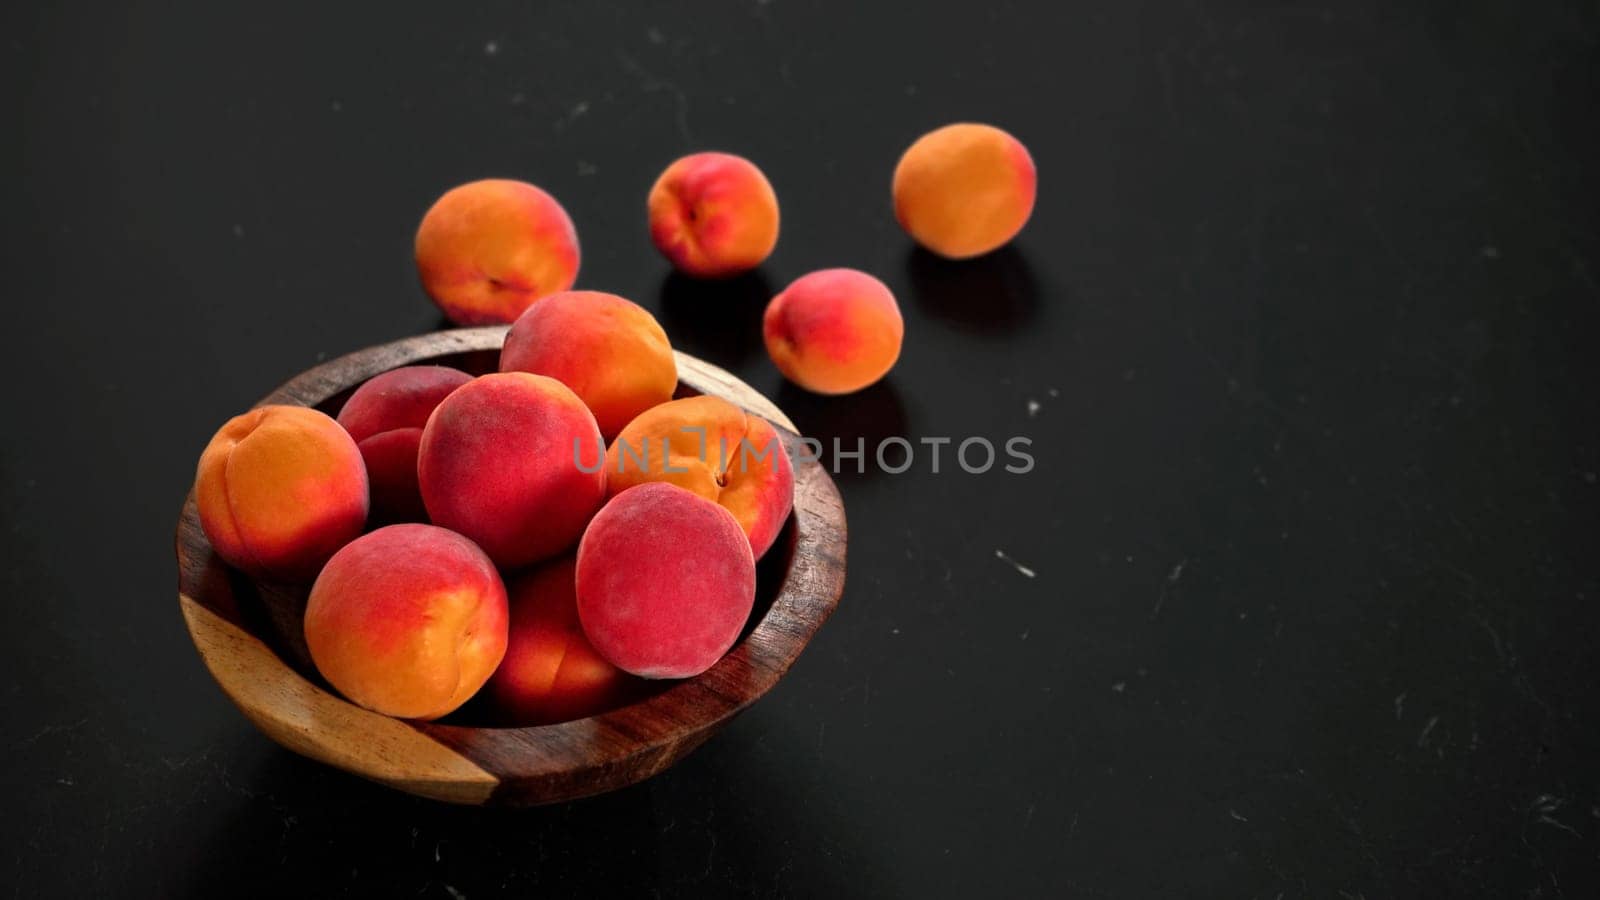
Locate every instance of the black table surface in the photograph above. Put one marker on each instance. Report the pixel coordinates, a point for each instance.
(1302, 332)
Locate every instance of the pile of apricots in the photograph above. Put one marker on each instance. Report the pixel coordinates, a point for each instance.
(554, 533)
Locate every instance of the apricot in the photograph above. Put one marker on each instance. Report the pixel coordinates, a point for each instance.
(611, 352)
(551, 673)
(713, 215)
(408, 621)
(964, 189)
(716, 450)
(834, 332)
(385, 417)
(665, 581)
(279, 489)
(503, 460)
(488, 250)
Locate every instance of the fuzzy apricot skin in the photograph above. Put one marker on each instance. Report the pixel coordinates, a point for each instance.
(513, 462)
(551, 673)
(487, 250)
(665, 581)
(279, 489)
(713, 215)
(716, 450)
(385, 416)
(835, 331)
(610, 351)
(408, 621)
(964, 189)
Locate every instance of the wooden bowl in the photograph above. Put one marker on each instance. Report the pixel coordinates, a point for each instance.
(249, 634)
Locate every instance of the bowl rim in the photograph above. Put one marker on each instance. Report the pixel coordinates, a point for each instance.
(533, 764)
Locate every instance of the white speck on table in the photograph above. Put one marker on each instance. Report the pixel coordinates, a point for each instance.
(1027, 572)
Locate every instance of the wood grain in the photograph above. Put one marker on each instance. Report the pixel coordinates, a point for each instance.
(247, 633)
(310, 721)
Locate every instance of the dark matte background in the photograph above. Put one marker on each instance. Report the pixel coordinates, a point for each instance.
(1308, 308)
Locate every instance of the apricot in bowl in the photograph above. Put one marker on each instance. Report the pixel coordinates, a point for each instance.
(251, 634)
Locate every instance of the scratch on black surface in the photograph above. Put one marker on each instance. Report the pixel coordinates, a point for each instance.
(651, 84)
(1166, 588)
(1422, 739)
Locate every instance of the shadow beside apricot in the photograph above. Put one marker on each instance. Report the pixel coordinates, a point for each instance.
(866, 417)
(716, 320)
(993, 294)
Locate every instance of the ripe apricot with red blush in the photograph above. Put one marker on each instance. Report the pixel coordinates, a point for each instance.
(713, 215)
(611, 352)
(551, 673)
(279, 489)
(487, 250)
(665, 581)
(716, 450)
(385, 416)
(835, 331)
(512, 461)
(408, 621)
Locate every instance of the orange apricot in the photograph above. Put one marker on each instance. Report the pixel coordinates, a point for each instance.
(488, 250)
(612, 353)
(279, 489)
(964, 189)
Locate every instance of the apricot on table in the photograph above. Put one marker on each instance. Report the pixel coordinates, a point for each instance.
(610, 351)
(713, 215)
(551, 673)
(385, 417)
(665, 581)
(279, 489)
(716, 450)
(835, 331)
(514, 462)
(488, 250)
(408, 621)
(964, 189)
